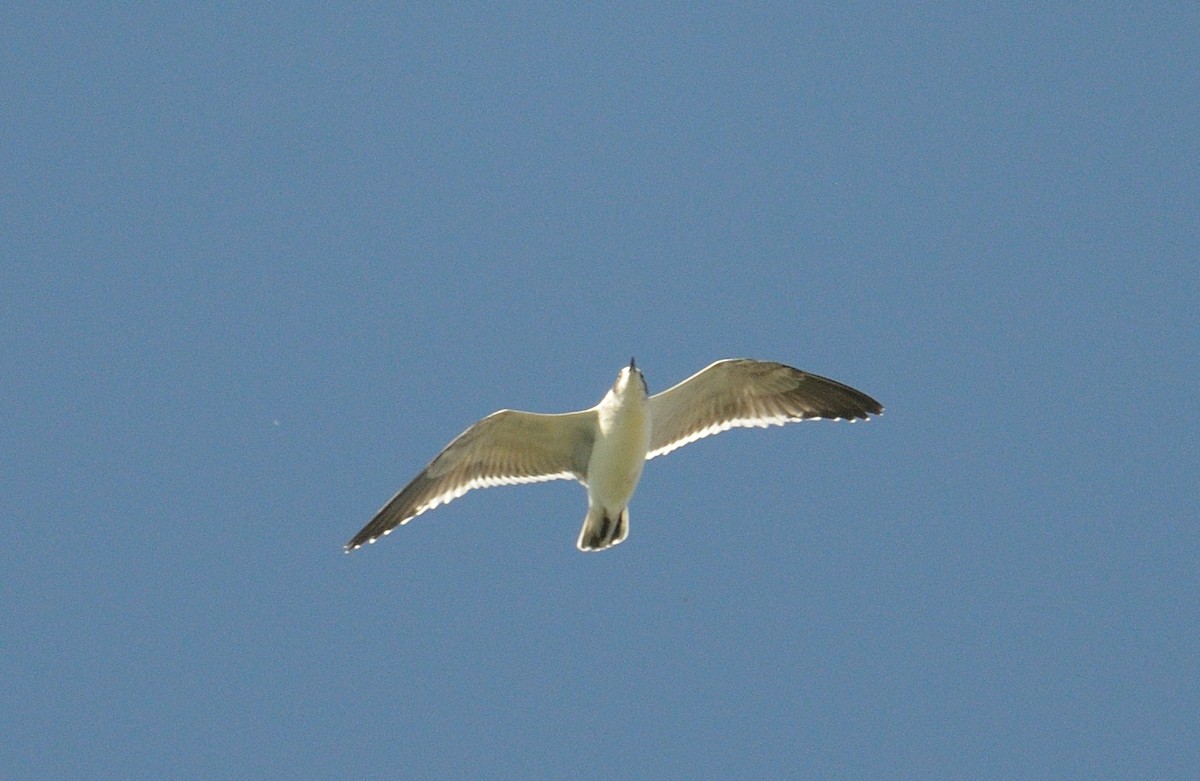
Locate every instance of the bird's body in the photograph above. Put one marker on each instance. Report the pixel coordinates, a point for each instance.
(607, 446)
(618, 456)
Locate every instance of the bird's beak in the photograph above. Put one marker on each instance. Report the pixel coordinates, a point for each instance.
(632, 365)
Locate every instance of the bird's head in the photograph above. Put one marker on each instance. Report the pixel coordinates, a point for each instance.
(630, 379)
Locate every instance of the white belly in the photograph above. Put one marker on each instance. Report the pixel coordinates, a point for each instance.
(618, 456)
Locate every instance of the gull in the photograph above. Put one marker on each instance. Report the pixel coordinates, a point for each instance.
(606, 447)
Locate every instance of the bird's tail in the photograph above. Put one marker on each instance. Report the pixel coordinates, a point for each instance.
(603, 529)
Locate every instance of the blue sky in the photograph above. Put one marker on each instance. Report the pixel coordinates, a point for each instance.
(260, 265)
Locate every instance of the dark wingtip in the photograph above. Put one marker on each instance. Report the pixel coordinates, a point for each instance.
(837, 400)
(359, 540)
(866, 408)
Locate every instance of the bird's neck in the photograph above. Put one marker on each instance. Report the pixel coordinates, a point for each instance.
(618, 409)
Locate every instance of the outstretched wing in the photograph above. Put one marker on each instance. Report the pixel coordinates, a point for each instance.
(747, 393)
(505, 447)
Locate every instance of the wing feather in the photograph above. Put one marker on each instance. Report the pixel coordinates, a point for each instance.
(740, 392)
(506, 447)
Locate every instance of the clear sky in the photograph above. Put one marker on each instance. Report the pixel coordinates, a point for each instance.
(259, 266)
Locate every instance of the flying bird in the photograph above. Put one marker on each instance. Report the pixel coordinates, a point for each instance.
(606, 447)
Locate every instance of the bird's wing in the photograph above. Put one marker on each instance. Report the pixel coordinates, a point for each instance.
(743, 392)
(505, 447)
